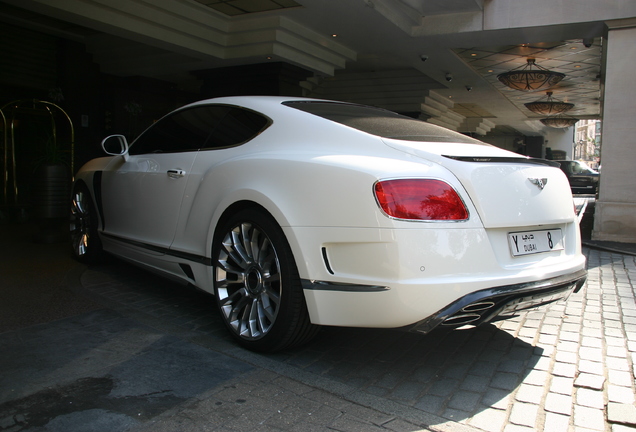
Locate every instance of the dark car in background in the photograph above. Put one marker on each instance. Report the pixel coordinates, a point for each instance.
(582, 178)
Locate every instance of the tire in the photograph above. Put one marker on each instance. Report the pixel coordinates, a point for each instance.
(86, 247)
(256, 284)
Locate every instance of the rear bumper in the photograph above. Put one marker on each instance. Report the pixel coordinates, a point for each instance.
(483, 306)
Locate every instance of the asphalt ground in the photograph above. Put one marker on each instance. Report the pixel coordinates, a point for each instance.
(114, 348)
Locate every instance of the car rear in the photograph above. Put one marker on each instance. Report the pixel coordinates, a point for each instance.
(498, 232)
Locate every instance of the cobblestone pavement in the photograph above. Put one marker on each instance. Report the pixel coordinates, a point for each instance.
(567, 368)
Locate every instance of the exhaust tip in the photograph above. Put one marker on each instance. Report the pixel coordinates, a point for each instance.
(477, 307)
(459, 320)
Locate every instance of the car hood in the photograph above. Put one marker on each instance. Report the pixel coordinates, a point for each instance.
(507, 189)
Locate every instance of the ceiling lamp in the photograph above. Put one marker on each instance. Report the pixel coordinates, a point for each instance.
(559, 121)
(549, 107)
(525, 78)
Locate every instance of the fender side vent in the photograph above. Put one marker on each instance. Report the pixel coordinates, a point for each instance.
(326, 260)
(187, 270)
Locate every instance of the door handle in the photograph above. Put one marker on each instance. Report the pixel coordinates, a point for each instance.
(176, 173)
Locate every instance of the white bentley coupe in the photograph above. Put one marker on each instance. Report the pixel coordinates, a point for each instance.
(295, 213)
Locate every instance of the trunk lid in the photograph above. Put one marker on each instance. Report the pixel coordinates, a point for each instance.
(507, 189)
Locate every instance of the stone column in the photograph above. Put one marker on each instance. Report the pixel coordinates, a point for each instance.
(615, 215)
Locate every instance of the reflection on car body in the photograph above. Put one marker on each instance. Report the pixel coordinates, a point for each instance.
(295, 213)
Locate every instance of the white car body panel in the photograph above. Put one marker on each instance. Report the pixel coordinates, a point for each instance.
(321, 193)
(141, 201)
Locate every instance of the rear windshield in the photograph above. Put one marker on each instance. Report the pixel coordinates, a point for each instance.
(380, 122)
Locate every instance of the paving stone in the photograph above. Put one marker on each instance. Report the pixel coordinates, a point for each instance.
(430, 403)
(524, 414)
(556, 422)
(443, 387)
(590, 398)
(622, 428)
(529, 393)
(547, 339)
(622, 413)
(517, 428)
(550, 329)
(495, 398)
(620, 394)
(595, 368)
(592, 329)
(406, 391)
(591, 381)
(558, 403)
(619, 377)
(564, 370)
(474, 383)
(537, 377)
(592, 354)
(613, 332)
(568, 346)
(464, 400)
(562, 385)
(616, 363)
(483, 368)
(569, 336)
(490, 420)
(566, 357)
(616, 351)
(615, 341)
(505, 381)
(455, 414)
(589, 418)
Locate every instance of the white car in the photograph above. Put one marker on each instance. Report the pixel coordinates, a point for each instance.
(296, 213)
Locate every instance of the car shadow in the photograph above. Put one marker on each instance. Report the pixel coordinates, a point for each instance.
(454, 374)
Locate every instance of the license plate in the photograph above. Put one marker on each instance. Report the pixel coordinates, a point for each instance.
(531, 242)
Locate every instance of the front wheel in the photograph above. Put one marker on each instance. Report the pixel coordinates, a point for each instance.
(256, 284)
(86, 246)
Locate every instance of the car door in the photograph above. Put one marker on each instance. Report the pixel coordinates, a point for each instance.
(209, 176)
(142, 194)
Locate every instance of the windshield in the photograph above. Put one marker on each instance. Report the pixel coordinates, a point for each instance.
(380, 122)
(576, 167)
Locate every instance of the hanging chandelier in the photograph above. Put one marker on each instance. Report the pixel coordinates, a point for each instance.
(530, 77)
(549, 107)
(559, 121)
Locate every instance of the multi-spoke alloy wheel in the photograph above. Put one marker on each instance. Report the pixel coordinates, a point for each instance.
(85, 243)
(248, 281)
(256, 284)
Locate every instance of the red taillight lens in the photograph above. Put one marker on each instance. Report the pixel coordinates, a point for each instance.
(420, 199)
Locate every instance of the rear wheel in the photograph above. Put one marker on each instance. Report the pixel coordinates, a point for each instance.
(256, 284)
(86, 246)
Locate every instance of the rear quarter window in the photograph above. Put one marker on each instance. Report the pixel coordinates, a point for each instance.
(380, 122)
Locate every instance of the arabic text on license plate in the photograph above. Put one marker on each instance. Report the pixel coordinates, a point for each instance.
(531, 242)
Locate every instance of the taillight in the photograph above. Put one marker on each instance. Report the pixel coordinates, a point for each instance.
(420, 199)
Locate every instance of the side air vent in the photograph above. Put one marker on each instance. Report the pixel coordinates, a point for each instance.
(326, 260)
(187, 270)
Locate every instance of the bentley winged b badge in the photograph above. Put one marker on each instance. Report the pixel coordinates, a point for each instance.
(539, 182)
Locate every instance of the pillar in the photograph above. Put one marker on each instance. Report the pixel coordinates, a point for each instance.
(615, 214)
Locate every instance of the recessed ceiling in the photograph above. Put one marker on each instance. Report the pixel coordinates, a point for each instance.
(581, 65)
(243, 7)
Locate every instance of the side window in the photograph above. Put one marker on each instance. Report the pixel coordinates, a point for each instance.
(237, 126)
(209, 127)
(185, 130)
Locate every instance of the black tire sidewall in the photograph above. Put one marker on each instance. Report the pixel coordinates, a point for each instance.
(94, 250)
(292, 303)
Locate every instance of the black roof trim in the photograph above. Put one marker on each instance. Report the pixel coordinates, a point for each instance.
(512, 159)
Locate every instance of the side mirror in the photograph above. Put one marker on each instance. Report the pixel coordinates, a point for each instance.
(115, 145)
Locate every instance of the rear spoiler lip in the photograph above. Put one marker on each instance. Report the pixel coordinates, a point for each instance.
(507, 159)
